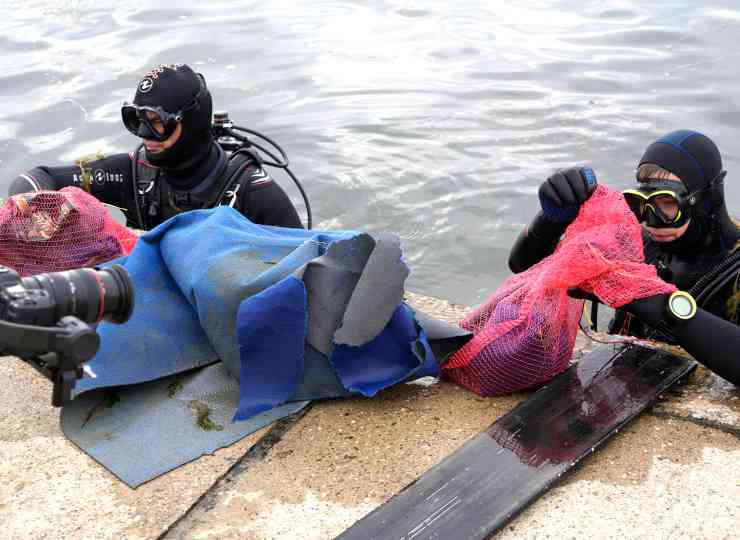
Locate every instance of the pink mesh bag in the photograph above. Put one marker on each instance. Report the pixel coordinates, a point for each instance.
(525, 332)
(48, 231)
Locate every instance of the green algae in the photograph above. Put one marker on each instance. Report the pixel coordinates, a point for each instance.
(203, 416)
(174, 387)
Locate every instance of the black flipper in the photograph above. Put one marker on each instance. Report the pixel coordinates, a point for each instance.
(444, 338)
(498, 473)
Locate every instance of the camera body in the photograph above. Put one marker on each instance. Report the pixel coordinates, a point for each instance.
(21, 305)
(44, 319)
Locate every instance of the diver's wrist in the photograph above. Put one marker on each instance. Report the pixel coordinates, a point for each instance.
(543, 228)
(680, 307)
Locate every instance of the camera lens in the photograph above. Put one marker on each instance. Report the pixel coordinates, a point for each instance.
(88, 294)
(118, 299)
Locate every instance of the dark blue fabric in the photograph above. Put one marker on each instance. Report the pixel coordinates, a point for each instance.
(272, 334)
(190, 274)
(431, 363)
(272, 368)
(397, 353)
(211, 285)
(319, 378)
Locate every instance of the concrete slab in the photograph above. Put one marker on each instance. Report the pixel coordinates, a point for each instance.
(706, 400)
(661, 478)
(50, 489)
(673, 473)
(341, 461)
(664, 477)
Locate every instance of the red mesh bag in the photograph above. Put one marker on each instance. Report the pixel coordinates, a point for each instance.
(525, 332)
(48, 231)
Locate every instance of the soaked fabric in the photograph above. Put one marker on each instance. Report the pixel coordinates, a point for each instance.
(50, 231)
(525, 332)
(190, 274)
(346, 308)
(140, 432)
(403, 340)
(277, 311)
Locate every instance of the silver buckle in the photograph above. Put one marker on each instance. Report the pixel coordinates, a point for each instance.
(232, 193)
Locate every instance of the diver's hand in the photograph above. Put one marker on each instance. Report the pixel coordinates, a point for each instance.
(563, 193)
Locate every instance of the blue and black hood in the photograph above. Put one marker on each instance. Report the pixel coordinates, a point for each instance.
(695, 159)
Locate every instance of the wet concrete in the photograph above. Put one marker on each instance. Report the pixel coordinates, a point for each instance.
(661, 478)
(672, 473)
(50, 489)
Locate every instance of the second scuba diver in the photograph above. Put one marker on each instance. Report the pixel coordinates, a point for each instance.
(179, 166)
(688, 235)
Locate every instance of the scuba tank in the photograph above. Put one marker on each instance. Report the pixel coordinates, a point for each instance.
(232, 139)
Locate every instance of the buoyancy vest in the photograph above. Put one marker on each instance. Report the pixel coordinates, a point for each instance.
(156, 200)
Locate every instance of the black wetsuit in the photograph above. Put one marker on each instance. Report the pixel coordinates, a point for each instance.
(240, 182)
(684, 272)
(712, 336)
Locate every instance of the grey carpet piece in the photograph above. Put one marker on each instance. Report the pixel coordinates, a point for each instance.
(140, 432)
(330, 281)
(376, 294)
(319, 378)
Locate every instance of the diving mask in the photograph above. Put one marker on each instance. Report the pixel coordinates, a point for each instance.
(148, 122)
(661, 203)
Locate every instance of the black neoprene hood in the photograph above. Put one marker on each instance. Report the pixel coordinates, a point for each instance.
(173, 87)
(168, 86)
(690, 155)
(695, 159)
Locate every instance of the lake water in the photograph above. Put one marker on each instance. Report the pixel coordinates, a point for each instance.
(433, 121)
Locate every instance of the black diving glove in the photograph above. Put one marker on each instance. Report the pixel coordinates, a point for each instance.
(561, 196)
(563, 193)
(711, 340)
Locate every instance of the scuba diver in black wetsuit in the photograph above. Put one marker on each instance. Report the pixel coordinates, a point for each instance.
(688, 235)
(179, 166)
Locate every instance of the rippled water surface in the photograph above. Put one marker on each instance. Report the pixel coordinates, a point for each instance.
(430, 120)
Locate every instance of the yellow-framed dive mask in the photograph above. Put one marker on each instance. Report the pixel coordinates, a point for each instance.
(661, 204)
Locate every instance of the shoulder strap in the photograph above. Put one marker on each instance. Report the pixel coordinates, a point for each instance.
(145, 173)
(144, 184)
(232, 180)
(143, 176)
